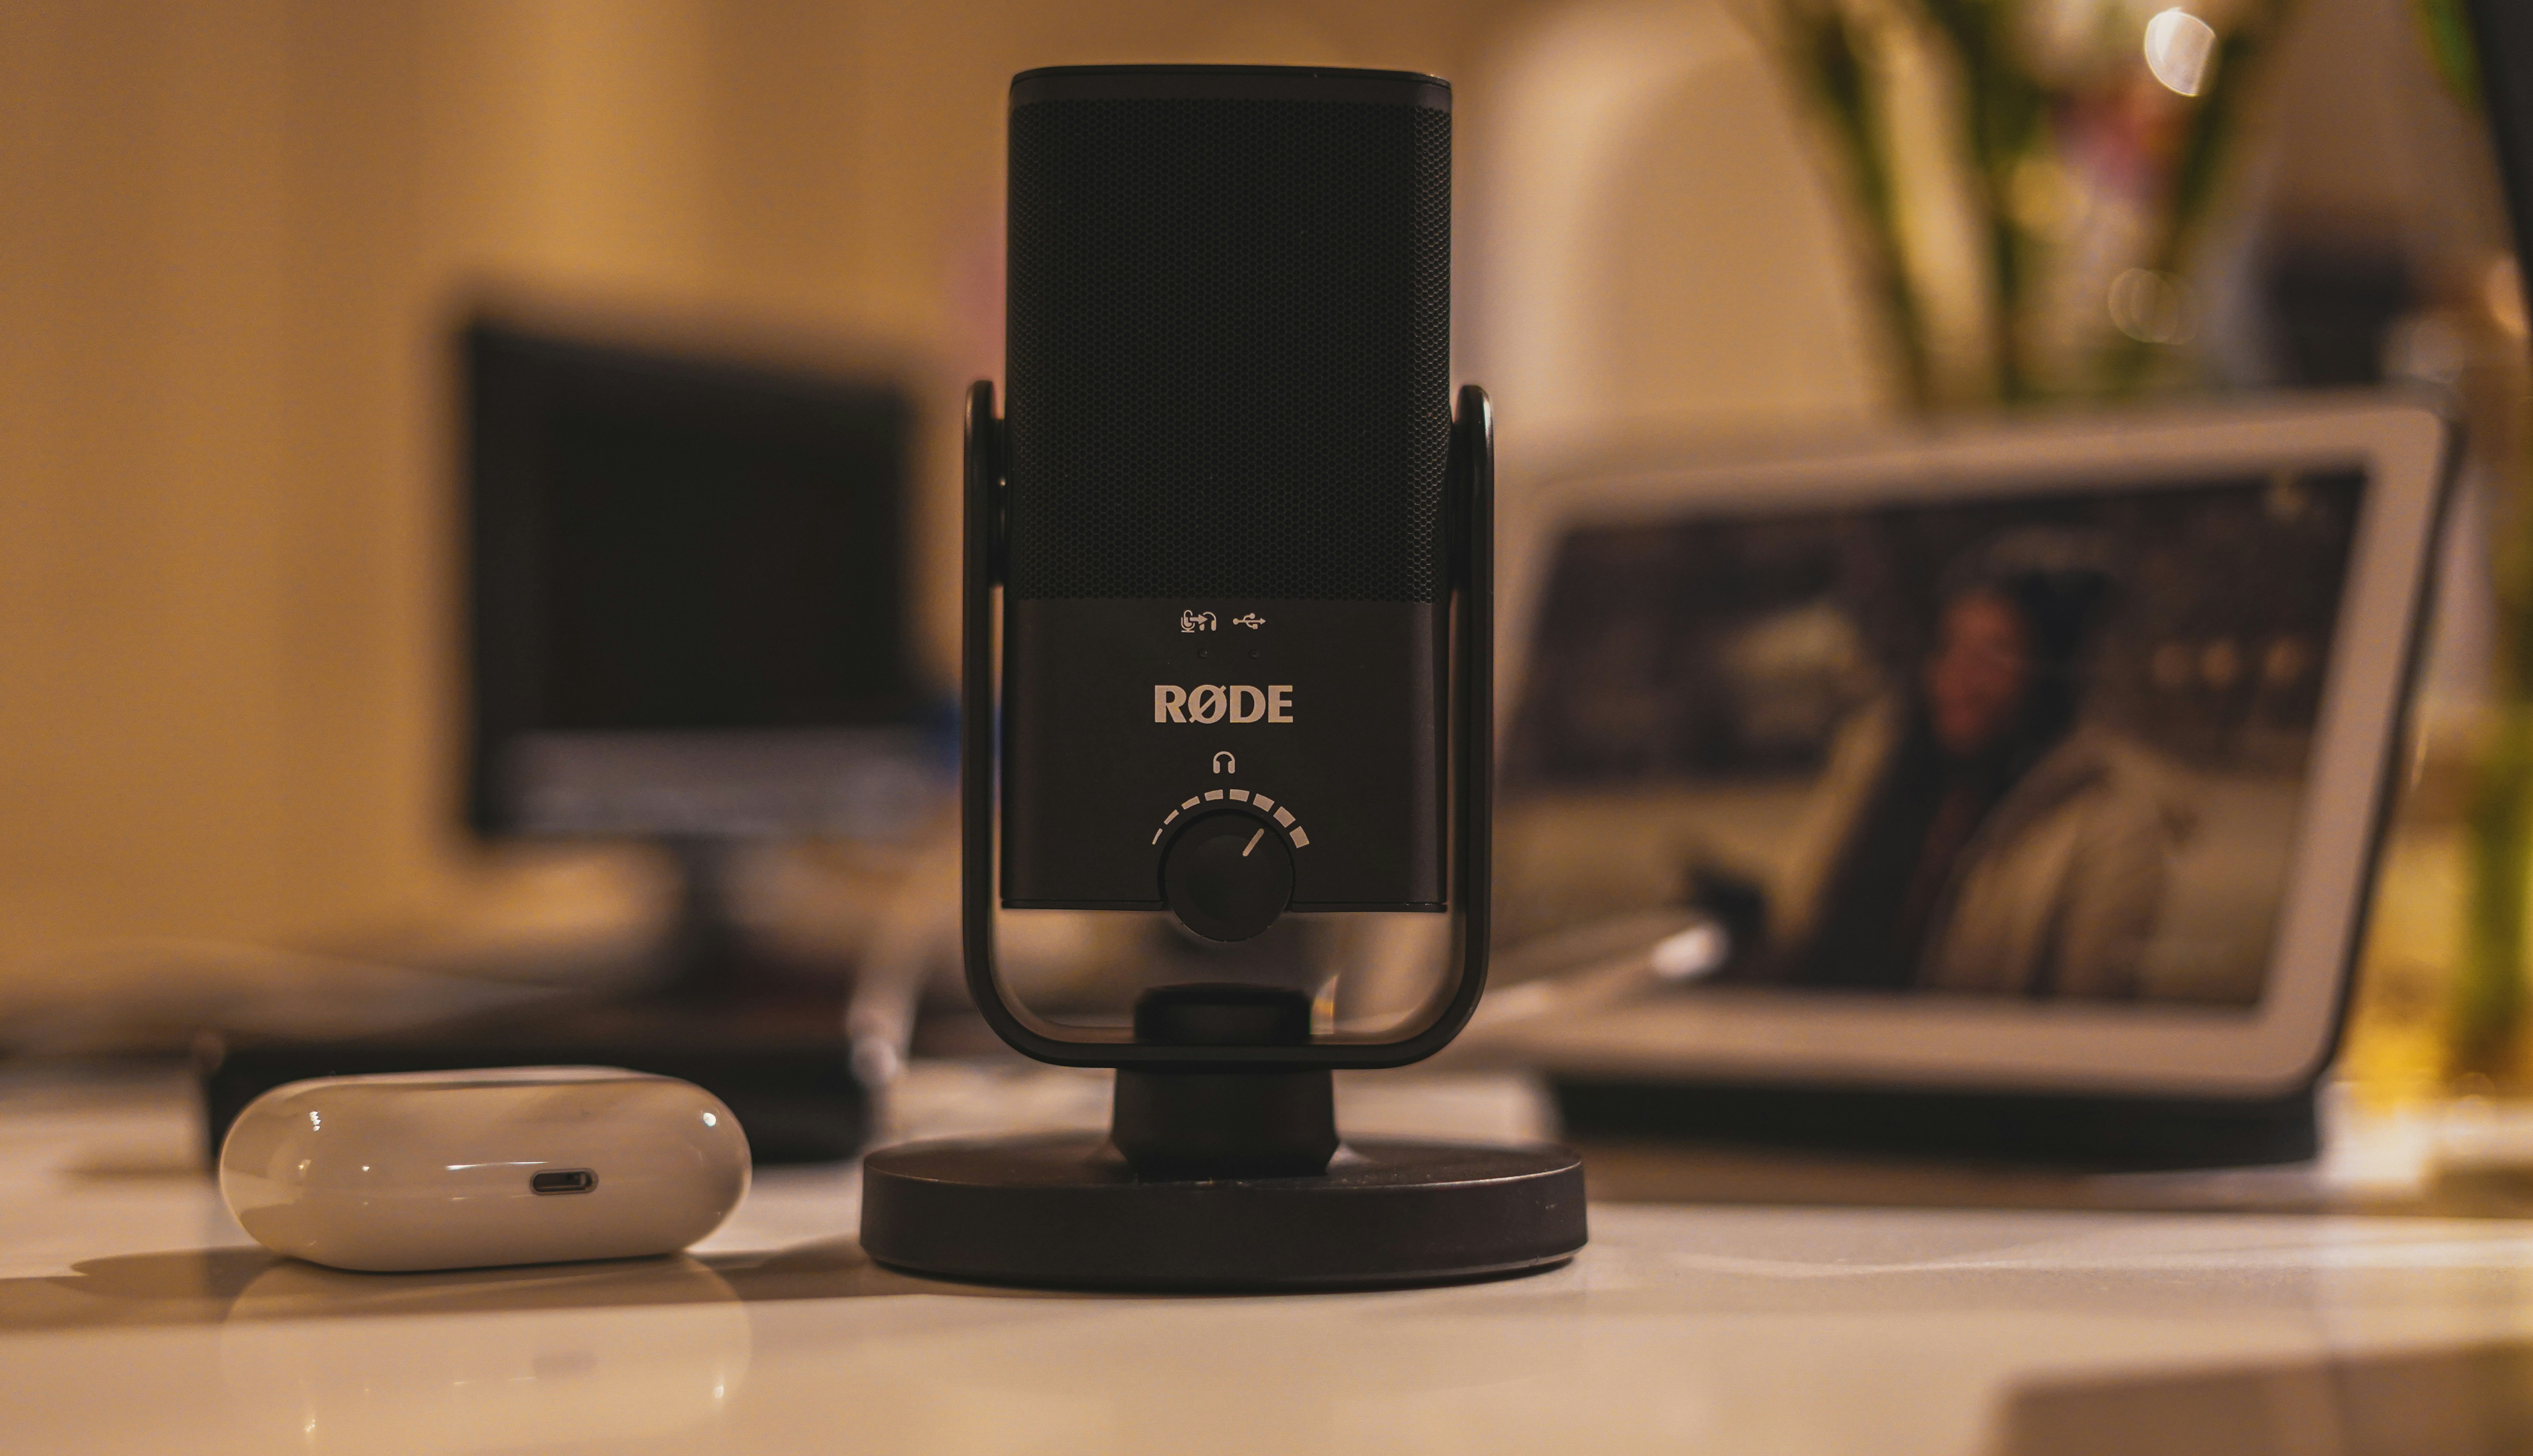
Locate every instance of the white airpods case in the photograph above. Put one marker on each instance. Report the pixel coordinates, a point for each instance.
(450, 1169)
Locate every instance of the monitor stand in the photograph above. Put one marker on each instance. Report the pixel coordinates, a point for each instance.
(705, 958)
(768, 1042)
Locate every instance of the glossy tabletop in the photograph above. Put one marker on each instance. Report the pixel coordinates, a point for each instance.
(135, 1317)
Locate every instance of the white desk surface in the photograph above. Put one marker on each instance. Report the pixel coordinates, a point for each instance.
(135, 1318)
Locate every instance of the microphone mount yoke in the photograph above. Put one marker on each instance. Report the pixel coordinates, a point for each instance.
(1223, 1168)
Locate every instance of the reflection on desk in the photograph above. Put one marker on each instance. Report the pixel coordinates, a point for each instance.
(134, 1317)
(2474, 1401)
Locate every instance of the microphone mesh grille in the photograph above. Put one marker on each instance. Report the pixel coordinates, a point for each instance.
(1228, 365)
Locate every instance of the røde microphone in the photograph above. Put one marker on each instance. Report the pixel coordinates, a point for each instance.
(1228, 425)
(1244, 549)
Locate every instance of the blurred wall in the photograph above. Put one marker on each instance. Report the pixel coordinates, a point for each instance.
(231, 239)
(1655, 249)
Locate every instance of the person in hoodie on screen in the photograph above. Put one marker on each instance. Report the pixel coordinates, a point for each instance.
(1972, 833)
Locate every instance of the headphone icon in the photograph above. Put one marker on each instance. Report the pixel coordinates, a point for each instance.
(1224, 763)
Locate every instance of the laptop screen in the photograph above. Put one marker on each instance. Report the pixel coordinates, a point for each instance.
(2038, 745)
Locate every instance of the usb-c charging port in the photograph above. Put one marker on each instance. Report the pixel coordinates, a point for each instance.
(564, 1181)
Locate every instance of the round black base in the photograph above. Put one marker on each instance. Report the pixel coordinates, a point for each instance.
(1066, 1212)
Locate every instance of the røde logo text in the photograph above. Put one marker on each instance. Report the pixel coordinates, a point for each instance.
(1213, 703)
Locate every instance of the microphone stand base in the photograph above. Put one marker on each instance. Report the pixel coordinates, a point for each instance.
(1068, 1212)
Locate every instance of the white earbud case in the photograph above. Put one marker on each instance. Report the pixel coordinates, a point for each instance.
(453, 1170)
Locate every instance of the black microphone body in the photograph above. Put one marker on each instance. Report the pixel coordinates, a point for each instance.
(1225, 627)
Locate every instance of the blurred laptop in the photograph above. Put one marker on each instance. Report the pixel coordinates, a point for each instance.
(2013, 787)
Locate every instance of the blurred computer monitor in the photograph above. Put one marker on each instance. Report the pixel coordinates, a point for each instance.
(685, 586)
(686, 590)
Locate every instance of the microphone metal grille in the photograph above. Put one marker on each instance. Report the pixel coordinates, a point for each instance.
(1228, 365)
